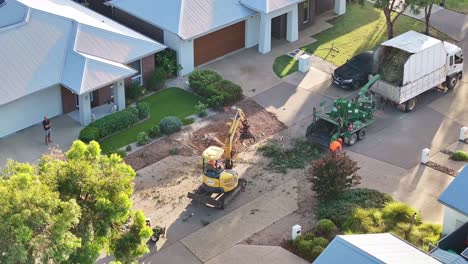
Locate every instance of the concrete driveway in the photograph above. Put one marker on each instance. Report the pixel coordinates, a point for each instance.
(28, 145)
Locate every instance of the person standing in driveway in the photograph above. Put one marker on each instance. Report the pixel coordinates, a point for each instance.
(47, 127)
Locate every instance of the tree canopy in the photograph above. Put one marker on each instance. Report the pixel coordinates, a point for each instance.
(70, 207)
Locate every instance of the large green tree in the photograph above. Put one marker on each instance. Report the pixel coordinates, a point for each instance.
(392, 10)
(426, 6)
(99, 187)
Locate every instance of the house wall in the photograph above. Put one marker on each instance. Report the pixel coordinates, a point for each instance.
(252, 27)
(147, 68)
(452, 220)
(312, 16)
(30, 110)
(184, 49)
(138, 25)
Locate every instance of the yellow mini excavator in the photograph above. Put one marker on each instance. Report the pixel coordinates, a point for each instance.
(220, 183)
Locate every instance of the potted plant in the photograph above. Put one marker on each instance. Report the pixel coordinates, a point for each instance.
(167, 59)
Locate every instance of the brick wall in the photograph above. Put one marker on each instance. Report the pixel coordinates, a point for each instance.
(147, 68)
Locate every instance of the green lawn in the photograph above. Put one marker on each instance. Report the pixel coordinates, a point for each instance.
(360, 29)
(169, 102)
(457, 5)
(285, 65)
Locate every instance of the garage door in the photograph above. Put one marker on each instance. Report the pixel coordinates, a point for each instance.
(219, 43)
(30, 110)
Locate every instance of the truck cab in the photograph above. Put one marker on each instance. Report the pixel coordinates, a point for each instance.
(454, 64)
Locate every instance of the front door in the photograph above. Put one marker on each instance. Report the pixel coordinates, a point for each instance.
(69, 101)
(278, 26)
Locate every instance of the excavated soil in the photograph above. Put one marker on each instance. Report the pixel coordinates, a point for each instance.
(192, 141)
(262, 125)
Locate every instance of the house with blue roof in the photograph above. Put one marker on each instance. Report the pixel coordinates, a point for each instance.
(203, 30)
(455, 201)
(372, 249)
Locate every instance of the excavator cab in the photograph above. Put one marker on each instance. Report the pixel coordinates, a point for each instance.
(217, 179)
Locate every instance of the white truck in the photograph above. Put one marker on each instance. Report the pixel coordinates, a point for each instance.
(430, 63)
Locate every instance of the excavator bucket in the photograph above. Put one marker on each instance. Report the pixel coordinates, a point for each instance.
(321, 132)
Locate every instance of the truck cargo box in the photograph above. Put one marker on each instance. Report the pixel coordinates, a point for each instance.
(401, 94)
(428, 54)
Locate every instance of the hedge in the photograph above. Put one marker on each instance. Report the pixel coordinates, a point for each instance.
(201, 79)
(89, 134)
(114, 122)
(229, 91)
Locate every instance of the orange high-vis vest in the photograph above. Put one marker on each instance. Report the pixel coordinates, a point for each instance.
(335, 145)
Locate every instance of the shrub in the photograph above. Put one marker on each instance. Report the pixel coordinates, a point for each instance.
(89, 134)
(135, 91)
(305, 247)
(460, 155)
(215, 101)
(170, 124)
(188, 120)
(396, 212)
(326, 228)
(201, 79)
(154, 132)
(229, 91)
(157, 79)
(332, 175)
(316, 251)
(128, 148)
(320, 241)
(167, 60)
(339, 209)
(143, 110)
(119, 152)
(142, 138)
(200, 109)
(115, 122)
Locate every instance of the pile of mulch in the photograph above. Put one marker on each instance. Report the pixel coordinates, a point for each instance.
(441, 168)
(157, 151)
(262, 125)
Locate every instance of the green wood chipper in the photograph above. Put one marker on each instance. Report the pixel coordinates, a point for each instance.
(348, 118)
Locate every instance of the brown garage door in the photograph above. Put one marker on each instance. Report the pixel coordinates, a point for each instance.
(219, 43)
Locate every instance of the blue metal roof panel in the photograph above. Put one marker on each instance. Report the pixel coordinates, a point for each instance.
(456, 194)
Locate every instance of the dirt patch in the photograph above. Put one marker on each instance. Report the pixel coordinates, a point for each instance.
(441, 168)
(263, 124)
(157, 151)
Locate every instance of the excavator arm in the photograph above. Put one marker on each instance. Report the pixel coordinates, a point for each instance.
(228, 144)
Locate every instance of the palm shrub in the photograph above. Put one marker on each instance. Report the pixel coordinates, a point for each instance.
(340, 208)
(333, 175)
(364, 221)
(396, 212)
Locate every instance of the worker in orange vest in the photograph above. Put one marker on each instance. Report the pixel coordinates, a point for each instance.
(336, 145)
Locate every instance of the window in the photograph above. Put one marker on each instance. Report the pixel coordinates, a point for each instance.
(306, 10)
(459, 58)
(451, 60)
(137, 78)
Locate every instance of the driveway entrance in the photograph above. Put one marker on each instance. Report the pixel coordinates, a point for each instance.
(28, 145)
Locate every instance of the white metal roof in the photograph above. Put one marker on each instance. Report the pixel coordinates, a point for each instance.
(373, 249)
(186, 18)
(412, 42)
(43, 47)
(268, 6)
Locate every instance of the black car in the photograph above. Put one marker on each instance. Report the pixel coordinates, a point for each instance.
(354, 73)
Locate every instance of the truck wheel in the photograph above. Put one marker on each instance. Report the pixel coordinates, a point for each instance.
(362, 134)
(452, 81)
(410, 105)
(352, 139)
